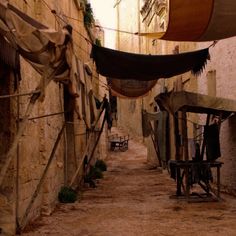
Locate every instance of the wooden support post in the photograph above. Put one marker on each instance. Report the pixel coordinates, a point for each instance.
(155, 145)
(36, 95)
(178, 181)
(177, 137)
(22, 126)
(81, 161)
(17, 191)
(34, 196)
(204, 140)
(97, 140)
(218, 181)
(185, 151)
(84, 155)
(185, 135)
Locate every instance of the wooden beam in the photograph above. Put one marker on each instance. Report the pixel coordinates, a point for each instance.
(41, 181)
(84, 154)
(22, 126)
(155, 145)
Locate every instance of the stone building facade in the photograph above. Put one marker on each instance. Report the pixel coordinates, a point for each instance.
(217, 79)
(36, 144)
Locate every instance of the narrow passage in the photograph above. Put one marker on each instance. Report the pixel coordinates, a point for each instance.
(133, 199)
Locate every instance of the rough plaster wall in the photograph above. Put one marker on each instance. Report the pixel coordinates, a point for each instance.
(40, 135)
(7, 130)
(129, 110)
(223, 62)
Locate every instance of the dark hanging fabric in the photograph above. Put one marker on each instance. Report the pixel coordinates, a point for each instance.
(123, 65)
(211, 135)
(8, 55)
(108, 115)
(97, 102)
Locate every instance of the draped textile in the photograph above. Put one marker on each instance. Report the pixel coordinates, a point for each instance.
(133, 75)
(147, 117)
(162, 119)
(123, 65)
(211, 135)
(195, 20)
(196, 103)
(130, 88)
(45, 49)
(8, 55)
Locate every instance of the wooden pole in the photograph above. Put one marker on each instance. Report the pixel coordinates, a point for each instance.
(45, 80)
(17, 154)
(155, 145)
(96, 143)
(94, 147)
(20, 131)
(185, 135)
(19, 94)
(204, 140)
(84, 155)
(177, 136)
(34, 196)
(48, 115)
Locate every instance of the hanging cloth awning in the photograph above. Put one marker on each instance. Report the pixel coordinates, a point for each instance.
(123, 65)
(205, 20)
(130, 88)
(9, 55)
(42, 47)
(133, 75)
(196, 103)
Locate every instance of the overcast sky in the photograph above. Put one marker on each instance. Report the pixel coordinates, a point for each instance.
(105, 12)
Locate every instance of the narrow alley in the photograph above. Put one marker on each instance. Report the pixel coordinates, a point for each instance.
(133, 199)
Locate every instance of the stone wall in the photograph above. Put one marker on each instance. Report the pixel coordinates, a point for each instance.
(222, 72)
(39, 137)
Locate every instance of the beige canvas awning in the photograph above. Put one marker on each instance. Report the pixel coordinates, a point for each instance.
(199, 20)
(195, 102)
(42, 47)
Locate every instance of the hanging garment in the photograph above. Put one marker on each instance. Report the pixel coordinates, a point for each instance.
(211, 135)
(162, 119)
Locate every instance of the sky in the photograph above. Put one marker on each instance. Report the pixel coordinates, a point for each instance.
(105, 12)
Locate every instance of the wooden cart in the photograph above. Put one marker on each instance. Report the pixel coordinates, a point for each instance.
(117, 142)
(186, 171)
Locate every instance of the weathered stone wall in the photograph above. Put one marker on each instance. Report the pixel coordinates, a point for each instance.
(39, 137)
(132, 21)
(129, 110)
(222, 64)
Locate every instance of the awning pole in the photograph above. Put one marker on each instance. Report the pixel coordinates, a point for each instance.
(155, 145)
(34, 196)
(84, 154)
(22, 126)
(204, 140)
(20, 94)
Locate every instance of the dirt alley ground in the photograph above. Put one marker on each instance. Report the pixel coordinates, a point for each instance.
(133, 199)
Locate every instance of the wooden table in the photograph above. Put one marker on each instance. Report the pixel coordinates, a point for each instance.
(119, 142)
(183, 172)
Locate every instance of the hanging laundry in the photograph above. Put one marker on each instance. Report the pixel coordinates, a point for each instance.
(211, 135)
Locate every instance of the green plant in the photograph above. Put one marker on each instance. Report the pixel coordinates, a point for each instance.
(88, 15)
(100, 164)
(98, 42)
(67, 195)
(95, 173)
